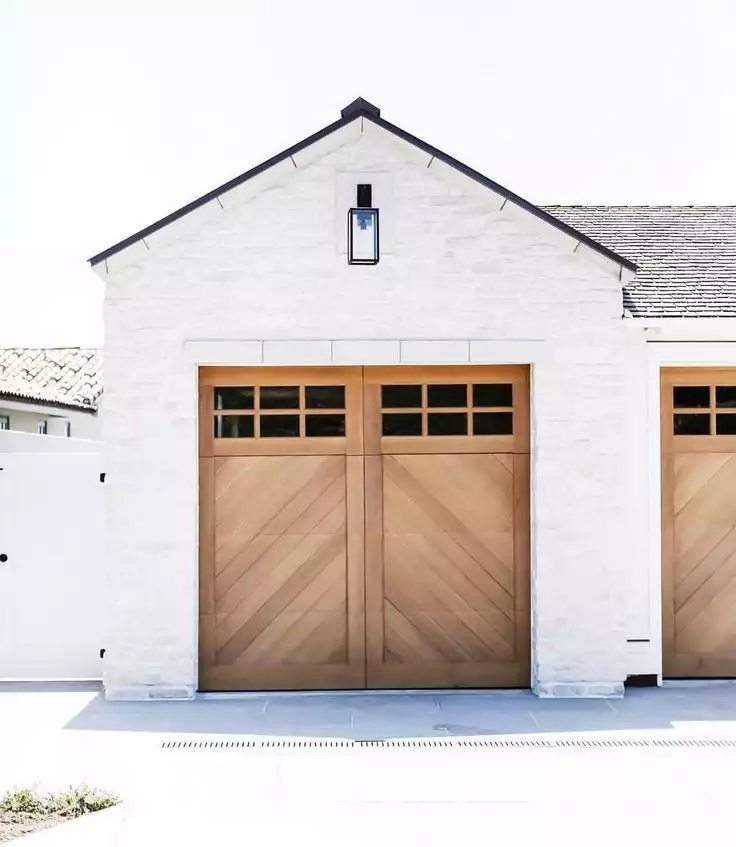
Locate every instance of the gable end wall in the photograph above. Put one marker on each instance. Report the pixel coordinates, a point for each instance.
(263, 280)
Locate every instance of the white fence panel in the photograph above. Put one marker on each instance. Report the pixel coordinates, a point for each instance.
(52, 603)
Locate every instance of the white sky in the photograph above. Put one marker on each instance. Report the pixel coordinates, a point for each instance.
(116, 113)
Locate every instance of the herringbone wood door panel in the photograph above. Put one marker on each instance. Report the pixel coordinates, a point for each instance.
(280, 605)
(364, 526)
(447, 570)
(699, 499)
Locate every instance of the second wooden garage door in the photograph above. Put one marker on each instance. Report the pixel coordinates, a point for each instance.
(699, 522)
(364, 528)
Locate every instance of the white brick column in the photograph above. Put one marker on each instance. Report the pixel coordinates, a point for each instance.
(578, 554)
(151, 507)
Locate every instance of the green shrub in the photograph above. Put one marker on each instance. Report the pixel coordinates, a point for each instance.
(79, 801)
(66, 804)
(23, 801)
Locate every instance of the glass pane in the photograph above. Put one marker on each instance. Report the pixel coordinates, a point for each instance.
(234, 426)
(324, 426)
(726, 424)
(692, 424)
(447, 395)
(401, 396)
(279, 397)
(279, 426)
(234, 398)
(493, 394)
(691, 396)
(726, 396)
(449, 423)
(493, 423)
(325, 396)
(394, 424)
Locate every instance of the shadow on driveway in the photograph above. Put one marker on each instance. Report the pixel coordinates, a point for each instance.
(388, 715)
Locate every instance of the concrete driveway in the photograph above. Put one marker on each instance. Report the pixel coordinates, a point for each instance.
(281, 768)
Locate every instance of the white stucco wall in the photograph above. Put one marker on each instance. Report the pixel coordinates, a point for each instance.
(52, 585)
(24, 417)
(26, 442)
(260, 276)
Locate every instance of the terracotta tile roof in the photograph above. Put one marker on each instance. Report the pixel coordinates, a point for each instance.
(61, 376)
(686, 255)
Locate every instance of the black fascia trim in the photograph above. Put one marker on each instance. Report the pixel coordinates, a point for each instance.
(221, 189)
(504, 192)
(399, 133)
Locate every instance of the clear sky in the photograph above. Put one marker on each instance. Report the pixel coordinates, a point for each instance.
(116, 113)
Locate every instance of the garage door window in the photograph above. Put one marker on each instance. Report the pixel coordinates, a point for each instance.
(447, 409)
(279, 411)
(704, 410)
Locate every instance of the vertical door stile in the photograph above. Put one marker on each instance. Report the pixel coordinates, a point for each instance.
(373, 462)
(355, 526)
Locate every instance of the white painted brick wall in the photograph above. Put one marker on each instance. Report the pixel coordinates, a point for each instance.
(494, 284)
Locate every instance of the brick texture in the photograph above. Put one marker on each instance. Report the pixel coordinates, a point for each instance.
(269, 268)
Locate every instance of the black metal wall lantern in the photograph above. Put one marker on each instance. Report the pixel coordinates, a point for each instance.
(363, 229)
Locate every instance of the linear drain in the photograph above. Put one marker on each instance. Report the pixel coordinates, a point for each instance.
(644, 743)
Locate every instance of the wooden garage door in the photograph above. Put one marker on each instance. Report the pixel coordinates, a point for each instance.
(447, 534)
(364, 527)
(699, 522)
(281, 529)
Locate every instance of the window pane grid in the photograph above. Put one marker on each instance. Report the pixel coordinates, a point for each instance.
(447, 409)
(280, 411)
(703, 410)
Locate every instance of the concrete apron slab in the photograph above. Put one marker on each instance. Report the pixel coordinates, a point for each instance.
(417, 793)
(99, 828)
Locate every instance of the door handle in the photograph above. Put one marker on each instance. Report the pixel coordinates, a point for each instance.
(3, 557)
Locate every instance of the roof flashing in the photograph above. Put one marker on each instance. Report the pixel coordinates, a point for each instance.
(358, 107)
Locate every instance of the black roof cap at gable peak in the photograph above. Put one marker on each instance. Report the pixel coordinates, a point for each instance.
(360, 106)
(364, 109)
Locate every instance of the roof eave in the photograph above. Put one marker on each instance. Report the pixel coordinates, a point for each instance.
(504, 192)
(40, 401)
(221, 189)
(370, 113)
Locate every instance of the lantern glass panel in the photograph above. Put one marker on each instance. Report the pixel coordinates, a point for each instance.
(363, 236)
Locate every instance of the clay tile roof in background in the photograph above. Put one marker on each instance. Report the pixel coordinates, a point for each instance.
(68, 377)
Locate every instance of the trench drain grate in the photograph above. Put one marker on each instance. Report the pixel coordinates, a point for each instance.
(644, 743)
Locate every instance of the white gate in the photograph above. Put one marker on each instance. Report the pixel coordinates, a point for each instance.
(52, 604)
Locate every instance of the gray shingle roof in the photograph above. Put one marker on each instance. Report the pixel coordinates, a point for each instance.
(69, 377)
(686, 255)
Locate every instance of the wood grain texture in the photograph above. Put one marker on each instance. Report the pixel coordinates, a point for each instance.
(283, 588)
(350, 444)
(448, 557)
(364, 561)
(698, 536)
(375, 377)
(374, 560)
(713, 443)
(699, 564)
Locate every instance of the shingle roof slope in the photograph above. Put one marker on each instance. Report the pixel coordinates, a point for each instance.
(686, 255)
(63, 376)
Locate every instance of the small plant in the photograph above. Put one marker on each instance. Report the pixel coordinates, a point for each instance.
(79, 801)
(66, 804)
(26, 801)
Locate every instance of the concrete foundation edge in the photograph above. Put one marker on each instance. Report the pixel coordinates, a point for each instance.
(579, 689)
(149, 692)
